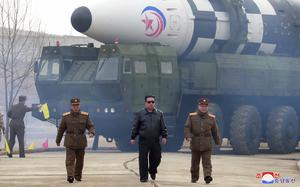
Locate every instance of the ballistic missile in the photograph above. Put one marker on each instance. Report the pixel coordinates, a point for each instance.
(194, 27)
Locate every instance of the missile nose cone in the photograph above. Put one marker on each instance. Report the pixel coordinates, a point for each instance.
(81, 19)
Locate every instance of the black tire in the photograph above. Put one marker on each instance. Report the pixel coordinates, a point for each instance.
(123, 144)
(245, 130)
(215, 109)
(283, 130)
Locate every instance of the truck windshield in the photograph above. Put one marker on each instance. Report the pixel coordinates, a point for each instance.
(108, 69)
(49, 69)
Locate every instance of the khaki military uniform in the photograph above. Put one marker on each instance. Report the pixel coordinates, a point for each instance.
(75, 125)
(201, 127)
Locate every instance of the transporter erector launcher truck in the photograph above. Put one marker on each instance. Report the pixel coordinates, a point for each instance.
(242, 55)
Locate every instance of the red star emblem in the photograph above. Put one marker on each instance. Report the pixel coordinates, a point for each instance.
(148, 23)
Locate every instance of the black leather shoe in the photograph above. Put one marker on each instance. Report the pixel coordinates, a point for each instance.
(194, 180)
(144, 180)
(9, 155)
(153, 176)
(70, 179)
(78, 178)
(208, 179)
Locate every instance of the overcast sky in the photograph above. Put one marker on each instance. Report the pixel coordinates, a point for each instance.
(55, 15)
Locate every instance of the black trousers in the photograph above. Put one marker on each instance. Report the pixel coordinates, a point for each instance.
(19, 131)
(149, 150)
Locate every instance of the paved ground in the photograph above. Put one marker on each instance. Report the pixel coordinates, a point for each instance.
(114, 169)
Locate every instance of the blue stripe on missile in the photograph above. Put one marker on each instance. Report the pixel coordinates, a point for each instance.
(204, 26)
(271, 29)
(251, 48)
(194, 37)
(217, 45)
(280, 29)
(251, 7)
(158, 11)
(218, 7)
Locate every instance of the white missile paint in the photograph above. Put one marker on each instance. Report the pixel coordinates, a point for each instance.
(192, 27)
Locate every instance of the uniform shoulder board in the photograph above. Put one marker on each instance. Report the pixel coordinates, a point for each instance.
(66, 113)
(85, 113)
(211, 115)
(193, 114)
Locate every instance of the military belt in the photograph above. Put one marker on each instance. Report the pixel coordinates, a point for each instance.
(75, 133)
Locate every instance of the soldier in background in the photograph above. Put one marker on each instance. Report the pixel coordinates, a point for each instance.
(199, 129)
(75, 123)
(17, 126)
(2, 129)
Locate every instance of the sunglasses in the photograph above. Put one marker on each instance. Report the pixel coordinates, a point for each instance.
(203, 105)
(150, 102)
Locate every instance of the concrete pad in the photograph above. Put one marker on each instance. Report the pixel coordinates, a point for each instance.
(121, 170)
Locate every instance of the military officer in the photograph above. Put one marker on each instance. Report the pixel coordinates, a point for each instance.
(75, 123)
(149, 124)
(199, 129)
(17, 126)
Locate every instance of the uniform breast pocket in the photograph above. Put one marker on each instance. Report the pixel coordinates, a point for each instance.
(82, 126)
(207, 129)
(196, 127)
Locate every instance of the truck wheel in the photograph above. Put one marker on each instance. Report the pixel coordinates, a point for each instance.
(283, 129)
(245, 130)
(124, 145)
(215, 109)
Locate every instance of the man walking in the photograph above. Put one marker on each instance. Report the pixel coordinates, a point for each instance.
(17, 126)
(75, 123)
(199, 129)
(150, 126)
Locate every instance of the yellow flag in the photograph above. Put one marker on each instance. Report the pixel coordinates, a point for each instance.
(6, 146)
(32, 146)
(45, 110)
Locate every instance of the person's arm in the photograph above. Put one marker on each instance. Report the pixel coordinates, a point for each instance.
(187, 128)
(163, 128)
(90, 126)
(216, 133)
(9, 113)
(135, 126)
(61, 130)
(30, 109)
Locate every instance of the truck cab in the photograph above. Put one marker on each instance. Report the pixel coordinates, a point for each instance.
(111, 82)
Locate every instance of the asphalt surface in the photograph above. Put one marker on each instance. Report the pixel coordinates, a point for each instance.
(110, 168)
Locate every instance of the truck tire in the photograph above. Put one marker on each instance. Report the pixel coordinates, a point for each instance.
(215, 109)
(283, 129)
(245, 130)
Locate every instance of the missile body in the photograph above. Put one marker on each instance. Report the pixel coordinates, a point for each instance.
(194, 27)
